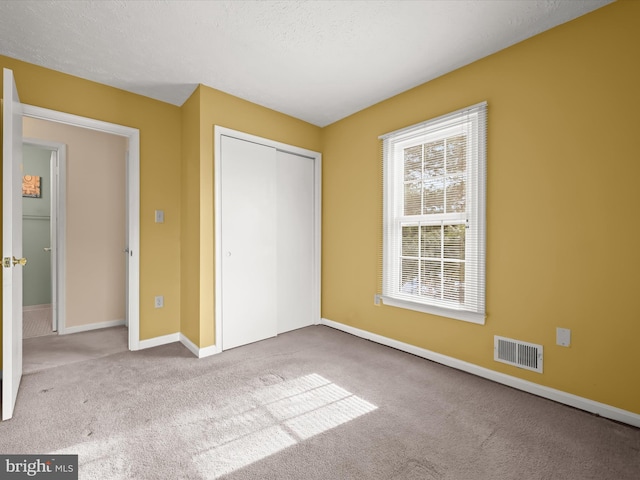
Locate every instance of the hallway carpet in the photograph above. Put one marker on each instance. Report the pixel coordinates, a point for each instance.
(37, 321)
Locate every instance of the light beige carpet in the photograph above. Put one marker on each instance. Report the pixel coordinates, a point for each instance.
(45, 352)
(315, 403)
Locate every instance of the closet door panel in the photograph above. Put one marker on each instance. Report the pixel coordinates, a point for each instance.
(249, 242)
(295, 194)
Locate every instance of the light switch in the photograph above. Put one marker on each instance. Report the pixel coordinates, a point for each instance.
(159, 216)
(563, 337)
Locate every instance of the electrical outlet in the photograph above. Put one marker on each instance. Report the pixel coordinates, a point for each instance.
(159, 217)
(159, 301)
(563, 337)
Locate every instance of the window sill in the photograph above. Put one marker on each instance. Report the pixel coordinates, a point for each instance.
(465, 316)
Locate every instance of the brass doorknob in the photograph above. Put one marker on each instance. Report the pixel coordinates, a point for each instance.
(19, 261)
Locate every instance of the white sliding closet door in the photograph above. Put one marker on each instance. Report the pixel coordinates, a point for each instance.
(249, 233)
(267, 235)
(295, 241)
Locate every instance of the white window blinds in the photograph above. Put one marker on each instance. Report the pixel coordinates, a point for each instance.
(434, 215)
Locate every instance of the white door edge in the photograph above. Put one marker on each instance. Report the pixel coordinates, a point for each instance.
(11, 244)
(133, 189)
(220, 131)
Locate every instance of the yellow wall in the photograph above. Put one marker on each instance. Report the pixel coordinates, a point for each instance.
(160, 151)
(219, 108)
(563, 172)
(190, 218)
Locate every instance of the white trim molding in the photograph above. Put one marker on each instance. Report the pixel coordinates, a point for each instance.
(31, 308)
(157, 341)
(197, 351)
(179, 337)
(559, 396)
(89, 326)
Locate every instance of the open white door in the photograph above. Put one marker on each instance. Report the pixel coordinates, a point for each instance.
(11, 244)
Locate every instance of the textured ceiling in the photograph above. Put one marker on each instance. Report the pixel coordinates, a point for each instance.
(319, 61)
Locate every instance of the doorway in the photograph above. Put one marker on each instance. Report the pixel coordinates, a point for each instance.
(39, 224)
(128, 252)
(92, 242)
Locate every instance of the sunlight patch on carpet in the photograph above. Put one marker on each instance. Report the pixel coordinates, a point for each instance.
(282, 415)
(101, 459)
(226, 437)
(328, 417)
(243, 451)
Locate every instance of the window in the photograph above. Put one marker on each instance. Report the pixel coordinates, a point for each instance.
(434, 216)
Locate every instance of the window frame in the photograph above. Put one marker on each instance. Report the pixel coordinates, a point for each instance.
(472, 122)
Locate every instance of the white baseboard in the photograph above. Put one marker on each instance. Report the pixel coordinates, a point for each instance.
(197, 351)
(582, 403)
(29, 308)
(89, 326)
(157, 341)
(178, 337)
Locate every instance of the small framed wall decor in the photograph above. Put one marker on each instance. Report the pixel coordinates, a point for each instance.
(31, 186)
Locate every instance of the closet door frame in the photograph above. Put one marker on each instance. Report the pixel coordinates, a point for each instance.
(220, 131)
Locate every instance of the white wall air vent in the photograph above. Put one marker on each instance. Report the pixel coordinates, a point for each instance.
(517, 353)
